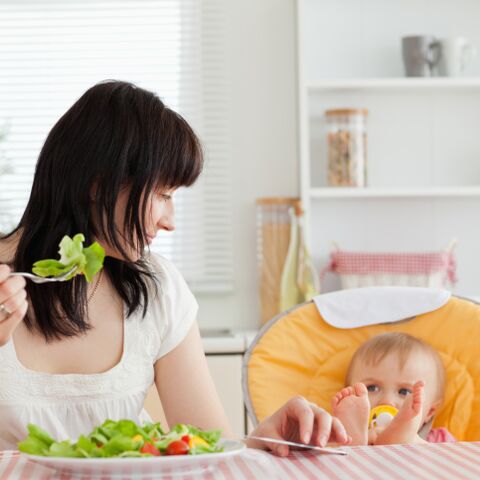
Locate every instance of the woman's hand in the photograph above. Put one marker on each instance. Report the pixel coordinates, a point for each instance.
(302, 422)
(13, 303)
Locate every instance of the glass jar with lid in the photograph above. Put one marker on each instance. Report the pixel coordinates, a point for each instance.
(347, 147)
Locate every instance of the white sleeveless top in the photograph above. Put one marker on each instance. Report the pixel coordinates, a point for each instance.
(69, 405)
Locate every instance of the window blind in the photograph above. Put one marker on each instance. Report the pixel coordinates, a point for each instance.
(51, 51)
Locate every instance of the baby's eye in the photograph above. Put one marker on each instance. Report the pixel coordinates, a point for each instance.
(404, 391)
(372, 388)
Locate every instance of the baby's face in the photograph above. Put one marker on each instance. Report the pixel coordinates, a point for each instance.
(389, 384)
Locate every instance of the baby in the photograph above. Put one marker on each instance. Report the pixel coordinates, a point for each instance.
(393, 369)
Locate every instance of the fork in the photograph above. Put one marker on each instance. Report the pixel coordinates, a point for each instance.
(37, 279)
(333, 451)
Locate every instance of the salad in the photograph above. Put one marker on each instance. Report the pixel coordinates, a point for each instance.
(124, 438)
(87, 261)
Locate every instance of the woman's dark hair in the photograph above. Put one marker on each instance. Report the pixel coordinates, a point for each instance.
(115, 136)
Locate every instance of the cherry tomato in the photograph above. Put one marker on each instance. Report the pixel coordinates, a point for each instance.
(151, 449)
(186, 439)
(178, 447)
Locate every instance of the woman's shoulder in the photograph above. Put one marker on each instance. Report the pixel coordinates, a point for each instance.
(164, 270)
(175, 310)
(170, 283)
(158, 262)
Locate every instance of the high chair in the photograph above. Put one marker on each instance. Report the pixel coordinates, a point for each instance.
(298, 353)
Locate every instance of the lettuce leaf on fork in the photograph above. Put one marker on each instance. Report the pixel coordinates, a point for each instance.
(88, 261)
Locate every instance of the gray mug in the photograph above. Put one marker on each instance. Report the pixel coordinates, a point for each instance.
(420, 55)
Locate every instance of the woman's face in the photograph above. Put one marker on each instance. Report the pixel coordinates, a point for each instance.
(159, 215)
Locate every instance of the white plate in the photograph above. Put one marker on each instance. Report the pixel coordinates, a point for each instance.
(141, 467)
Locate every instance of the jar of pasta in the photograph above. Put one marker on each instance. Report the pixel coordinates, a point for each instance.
(347, 147)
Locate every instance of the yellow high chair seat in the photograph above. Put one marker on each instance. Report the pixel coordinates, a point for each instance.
(298, 353)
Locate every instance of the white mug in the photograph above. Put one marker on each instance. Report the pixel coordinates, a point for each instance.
(455, 55)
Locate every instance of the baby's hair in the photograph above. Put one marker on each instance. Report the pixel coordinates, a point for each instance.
(377, 348)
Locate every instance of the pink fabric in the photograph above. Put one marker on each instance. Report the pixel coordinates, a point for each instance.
(442, 461)
(440, 435)
(363, 263)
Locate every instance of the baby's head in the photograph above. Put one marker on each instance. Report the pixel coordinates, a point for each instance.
(389, 365)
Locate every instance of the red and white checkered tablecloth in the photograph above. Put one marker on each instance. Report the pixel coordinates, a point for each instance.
(445, 461)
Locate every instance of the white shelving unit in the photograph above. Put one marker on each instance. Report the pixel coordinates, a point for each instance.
(395, 84)
(423, 133)
(428, 192)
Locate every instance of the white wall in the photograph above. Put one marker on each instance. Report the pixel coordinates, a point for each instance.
(262, 53)
(362, 38)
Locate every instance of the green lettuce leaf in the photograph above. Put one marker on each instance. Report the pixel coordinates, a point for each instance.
(199, 449)
(94, 255)
(154, 430)
(33, 446)
(88, 261)
(181, 429)
(39, 433)
(71, 250)
(38, 441)
(85, 445)
(62, 449)
(98, 438)
(119, 444)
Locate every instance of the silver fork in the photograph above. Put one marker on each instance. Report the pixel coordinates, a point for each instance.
(333, 451)
(37, 279)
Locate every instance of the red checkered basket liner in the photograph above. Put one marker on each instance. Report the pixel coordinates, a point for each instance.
(419, 265)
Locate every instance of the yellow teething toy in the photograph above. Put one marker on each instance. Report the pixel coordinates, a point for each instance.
(381, 415)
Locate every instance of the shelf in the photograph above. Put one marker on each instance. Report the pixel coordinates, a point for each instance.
(374, 192)
(392, 84)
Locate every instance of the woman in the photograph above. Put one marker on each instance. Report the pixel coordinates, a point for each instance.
(74, 354)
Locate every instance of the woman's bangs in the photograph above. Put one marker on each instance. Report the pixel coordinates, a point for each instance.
(181, 155)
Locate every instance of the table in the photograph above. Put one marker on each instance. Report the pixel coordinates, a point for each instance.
(434, 461)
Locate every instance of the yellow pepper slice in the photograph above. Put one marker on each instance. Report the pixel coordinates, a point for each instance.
(195, 441)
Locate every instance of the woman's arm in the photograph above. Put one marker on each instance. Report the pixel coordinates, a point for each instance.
(188, 395)
(186, 388)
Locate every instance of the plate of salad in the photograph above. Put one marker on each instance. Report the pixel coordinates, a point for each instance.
(124, 448)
